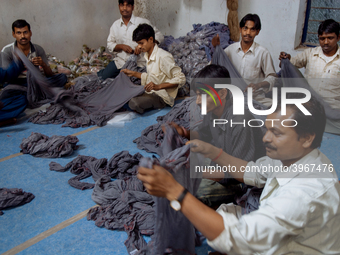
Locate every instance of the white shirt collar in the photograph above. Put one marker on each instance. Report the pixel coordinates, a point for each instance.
(132, 20)
(153, 54)
(251, 49)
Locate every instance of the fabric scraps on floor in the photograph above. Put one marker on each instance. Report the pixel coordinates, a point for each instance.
(40, 145)
(13, 197)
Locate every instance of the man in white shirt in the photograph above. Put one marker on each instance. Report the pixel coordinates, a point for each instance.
(252, 61)
(163, 77)
(299, 209)
(323, 67)
(120, 40)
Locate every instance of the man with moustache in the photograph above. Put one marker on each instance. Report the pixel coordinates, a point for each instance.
(300, 205)
(252, 61)
(120, 40)
(16, 102)
(323, 68)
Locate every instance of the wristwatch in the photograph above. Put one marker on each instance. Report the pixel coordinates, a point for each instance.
(176, 204)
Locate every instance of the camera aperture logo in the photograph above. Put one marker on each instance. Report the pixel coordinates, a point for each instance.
(239, 104)
(204, 97)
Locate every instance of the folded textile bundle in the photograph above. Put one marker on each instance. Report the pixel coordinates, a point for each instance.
(194, 51)
(13, 197)
(40, 145)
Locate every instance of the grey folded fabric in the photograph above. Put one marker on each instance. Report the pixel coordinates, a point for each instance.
(96, 107)
(40, 145)
(13, 197)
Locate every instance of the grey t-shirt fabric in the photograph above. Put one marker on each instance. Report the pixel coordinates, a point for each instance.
(292, 77)
(40, 145)
(174, 233)
(41, 90)
(96, 108)
(13, 197)
(186, 114)
(121, 165)
(250, 201)
(131, 64)
(124, 205)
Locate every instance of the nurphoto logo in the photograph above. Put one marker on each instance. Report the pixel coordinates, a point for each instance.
(238, 103)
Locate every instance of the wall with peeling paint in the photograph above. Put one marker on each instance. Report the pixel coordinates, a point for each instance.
(63, 26)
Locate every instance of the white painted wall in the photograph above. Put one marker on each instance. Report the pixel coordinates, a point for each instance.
(63, 26)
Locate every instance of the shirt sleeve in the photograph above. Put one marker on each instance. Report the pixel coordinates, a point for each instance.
(173, 72)
(253, 175)
(6, 58)
(301, 59)
(264, 230)
(268, 69)
(111, 40)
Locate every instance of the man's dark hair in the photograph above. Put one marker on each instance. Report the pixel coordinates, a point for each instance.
(308, 124)
(20, 23)
(143, 31)
(329, 26)
(132, 2)
(251, 17)
(211, 75)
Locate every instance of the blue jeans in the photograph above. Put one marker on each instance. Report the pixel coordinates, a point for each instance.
(111, 71)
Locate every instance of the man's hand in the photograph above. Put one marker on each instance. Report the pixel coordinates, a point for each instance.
(206, 149)
(37, 61)
(254, 86)
(180, 130)
(124, 47)
(151, 86)
(283, 55)
(128, 72)
(216, 40)
(138, 50)
(159, 182)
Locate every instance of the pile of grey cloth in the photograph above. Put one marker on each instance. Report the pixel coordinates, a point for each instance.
(13, 197)
(194, 51)
(56, 146)
(79, 106)
(92, 108)
(121, 165)
(125, 205)
(186, 114)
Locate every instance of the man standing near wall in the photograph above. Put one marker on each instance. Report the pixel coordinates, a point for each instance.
(323, 68)
(16, 102)
(120, 40)
(252, 61)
